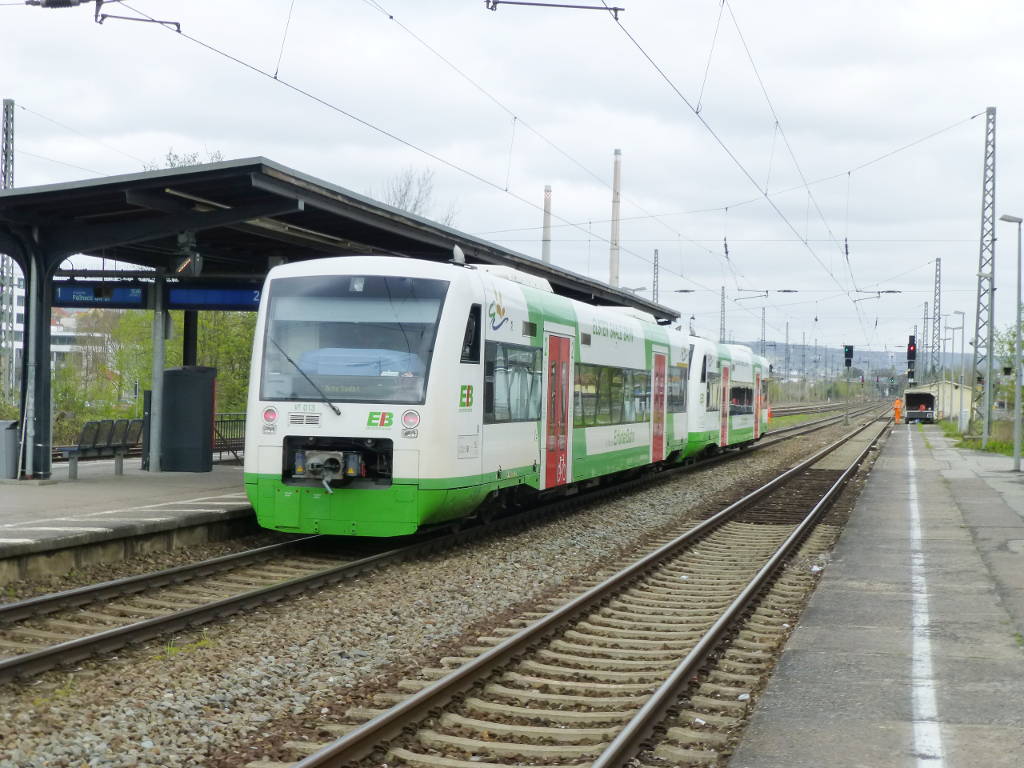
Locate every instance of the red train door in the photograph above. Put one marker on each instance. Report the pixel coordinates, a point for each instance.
(556, 448)
(658, 409)
(723, 437)
(758, 405)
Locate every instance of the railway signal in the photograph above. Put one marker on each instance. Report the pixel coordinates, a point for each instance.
(848, 354)
(912, 348)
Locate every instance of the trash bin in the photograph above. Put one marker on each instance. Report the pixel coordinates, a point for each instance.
(8, 450)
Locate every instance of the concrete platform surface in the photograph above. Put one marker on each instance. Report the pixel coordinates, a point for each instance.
(911, 651)
(100, 506)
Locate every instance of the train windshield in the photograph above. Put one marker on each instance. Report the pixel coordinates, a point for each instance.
(350, 338)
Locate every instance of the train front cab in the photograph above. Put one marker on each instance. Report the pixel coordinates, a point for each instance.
(390, 353)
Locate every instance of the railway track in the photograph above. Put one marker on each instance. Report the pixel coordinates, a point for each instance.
(653, 666)
(67, 627)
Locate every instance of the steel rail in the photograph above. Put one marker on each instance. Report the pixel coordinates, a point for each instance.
(74, 598)
(364, 739)
(630, 740)
(80, 648)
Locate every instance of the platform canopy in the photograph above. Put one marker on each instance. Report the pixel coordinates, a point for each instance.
(247, 215)
(241, 217)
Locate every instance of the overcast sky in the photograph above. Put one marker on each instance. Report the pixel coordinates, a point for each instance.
(849, 83)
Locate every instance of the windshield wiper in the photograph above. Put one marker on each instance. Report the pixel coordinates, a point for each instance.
(323, 396)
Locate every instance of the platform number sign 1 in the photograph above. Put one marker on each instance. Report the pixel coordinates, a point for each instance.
(848, 354)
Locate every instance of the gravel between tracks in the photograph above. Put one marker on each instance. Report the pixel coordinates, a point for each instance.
(221, 698)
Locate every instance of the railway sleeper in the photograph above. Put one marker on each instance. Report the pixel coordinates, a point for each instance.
(568, 686)
(40, 634)
(720, 691)
(584, 662)
(436, 740)
(683, 640)
(489, 728)
(689, 737)
(616, 653)
(723, 706)
(634, 634)
(531, 714)
(679, 756)
(417, 760)
(600, 675)
(529, 696)
(719, 721)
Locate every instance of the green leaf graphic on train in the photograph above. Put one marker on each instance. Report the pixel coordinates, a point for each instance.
(496, 311)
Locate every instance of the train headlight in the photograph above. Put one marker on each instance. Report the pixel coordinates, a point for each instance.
(270, 415)
(410, 419)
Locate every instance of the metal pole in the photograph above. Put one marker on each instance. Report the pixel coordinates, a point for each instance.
(721, 325)
(613, 254)
(654, 285)
(157, 387)
(1016, 367)
(962, 422)
(545, 245)
(846, 410)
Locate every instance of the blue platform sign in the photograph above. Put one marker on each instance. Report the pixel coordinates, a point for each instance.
(213, 297)
(106, 295)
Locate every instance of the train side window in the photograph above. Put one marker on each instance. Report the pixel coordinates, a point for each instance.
(676, 395)
(714, 392)
(512, 383)
(704, 369)
(471, 339)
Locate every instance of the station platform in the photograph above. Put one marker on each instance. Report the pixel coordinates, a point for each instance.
(52, 527)
(911, 651)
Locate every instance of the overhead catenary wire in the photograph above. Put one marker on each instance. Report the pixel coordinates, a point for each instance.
(792, 154)
(284, 37)
(711, 53)
(382, 131)
(777, 193)
(85, 136)
(58, 162)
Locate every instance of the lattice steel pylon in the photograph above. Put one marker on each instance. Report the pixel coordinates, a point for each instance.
(935, 358)
(8, 278)
(981, 401)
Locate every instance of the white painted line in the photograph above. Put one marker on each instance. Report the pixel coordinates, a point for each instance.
(18, 541)
(66, 528)
(215, 510)
(927, 736)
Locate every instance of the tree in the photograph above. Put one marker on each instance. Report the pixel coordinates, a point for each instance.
(173, 160)
(413, 191)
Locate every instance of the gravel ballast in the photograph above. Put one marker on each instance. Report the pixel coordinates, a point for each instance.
(219, 697)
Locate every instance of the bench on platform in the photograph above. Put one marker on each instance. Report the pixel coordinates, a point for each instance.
(108, 438)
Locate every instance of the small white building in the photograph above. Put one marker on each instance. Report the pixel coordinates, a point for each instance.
(948, 400)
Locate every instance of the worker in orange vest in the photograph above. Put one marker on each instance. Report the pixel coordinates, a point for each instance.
(897, 407)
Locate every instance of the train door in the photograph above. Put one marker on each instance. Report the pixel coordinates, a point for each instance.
(757, 405)
(557, 428)
(723, 436)
(658, 409)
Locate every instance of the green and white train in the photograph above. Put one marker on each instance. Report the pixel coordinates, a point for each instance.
(388, 395)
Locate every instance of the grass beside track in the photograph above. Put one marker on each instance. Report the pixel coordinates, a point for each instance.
(1000, 441)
